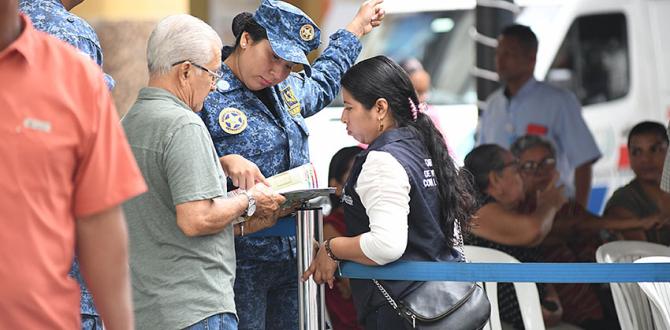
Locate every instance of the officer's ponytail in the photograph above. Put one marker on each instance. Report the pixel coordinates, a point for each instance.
(244, 22)
(380, 77)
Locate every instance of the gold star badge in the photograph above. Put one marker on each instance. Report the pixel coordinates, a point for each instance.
(232, 121)
(307, 32)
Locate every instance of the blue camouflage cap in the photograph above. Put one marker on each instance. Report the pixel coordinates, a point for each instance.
(291, 33)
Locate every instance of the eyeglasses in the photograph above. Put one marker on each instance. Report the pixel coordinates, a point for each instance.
(514, 164)
(216, 76)
(532, 167)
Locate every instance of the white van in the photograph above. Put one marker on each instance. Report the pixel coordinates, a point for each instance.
(610, 53)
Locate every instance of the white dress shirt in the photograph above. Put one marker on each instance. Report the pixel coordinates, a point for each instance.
(383, 187)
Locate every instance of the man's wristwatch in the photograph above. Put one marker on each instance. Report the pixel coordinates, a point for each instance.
(251, 207)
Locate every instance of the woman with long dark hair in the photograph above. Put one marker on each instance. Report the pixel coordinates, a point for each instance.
(404, 198)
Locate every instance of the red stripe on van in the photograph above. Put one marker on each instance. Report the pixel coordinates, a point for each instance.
(624, 162)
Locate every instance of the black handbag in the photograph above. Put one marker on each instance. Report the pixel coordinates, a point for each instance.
(442, 305)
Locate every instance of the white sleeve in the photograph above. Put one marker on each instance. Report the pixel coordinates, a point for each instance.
(383, 187)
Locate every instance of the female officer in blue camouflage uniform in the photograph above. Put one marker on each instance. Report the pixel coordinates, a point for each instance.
(256, 119)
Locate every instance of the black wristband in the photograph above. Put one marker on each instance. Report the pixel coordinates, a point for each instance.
(329, 252)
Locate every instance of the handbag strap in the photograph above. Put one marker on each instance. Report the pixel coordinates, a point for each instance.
(409, 316)
(406, 315)
(459, 240)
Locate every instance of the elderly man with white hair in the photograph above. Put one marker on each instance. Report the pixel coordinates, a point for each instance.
(181, 239)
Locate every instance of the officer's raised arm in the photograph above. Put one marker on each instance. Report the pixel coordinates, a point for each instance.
(316, 90)
(369, 16)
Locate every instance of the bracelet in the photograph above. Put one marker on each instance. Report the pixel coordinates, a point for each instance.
(329, 252)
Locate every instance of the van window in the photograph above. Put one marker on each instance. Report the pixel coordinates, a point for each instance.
(659, 34)
(593, 60)
(440, 40)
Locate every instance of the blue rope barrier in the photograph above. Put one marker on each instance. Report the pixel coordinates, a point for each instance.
(511, 272)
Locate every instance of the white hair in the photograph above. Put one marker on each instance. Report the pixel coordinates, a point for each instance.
(179, 38)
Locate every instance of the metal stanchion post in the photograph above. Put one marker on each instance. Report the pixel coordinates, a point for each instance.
(311, 297)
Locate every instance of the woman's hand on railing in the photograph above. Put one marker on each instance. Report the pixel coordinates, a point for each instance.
(322, 269)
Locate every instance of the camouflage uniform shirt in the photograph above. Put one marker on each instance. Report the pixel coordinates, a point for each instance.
(51, 17)
(275, 139)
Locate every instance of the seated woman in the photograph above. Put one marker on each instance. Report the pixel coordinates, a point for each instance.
(398, 203)
(537, 160)
(574, 236)
(500, 225)
(642, 197)
(338, 298)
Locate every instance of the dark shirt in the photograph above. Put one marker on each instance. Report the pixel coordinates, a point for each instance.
(633, 198)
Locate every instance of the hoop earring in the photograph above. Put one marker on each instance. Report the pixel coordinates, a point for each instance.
(381, 125)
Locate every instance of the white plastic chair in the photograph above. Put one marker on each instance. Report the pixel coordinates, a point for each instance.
(526, 293)
(658, 293)
(632, 305)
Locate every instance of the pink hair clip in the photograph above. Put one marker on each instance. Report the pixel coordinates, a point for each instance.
(415, 110)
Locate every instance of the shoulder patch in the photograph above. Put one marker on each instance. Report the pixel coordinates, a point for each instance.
(232, 121)
(291, 101)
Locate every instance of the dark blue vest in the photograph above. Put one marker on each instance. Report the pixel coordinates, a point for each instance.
(426, 241)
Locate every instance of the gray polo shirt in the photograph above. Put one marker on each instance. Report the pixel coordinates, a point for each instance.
(176, 280)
